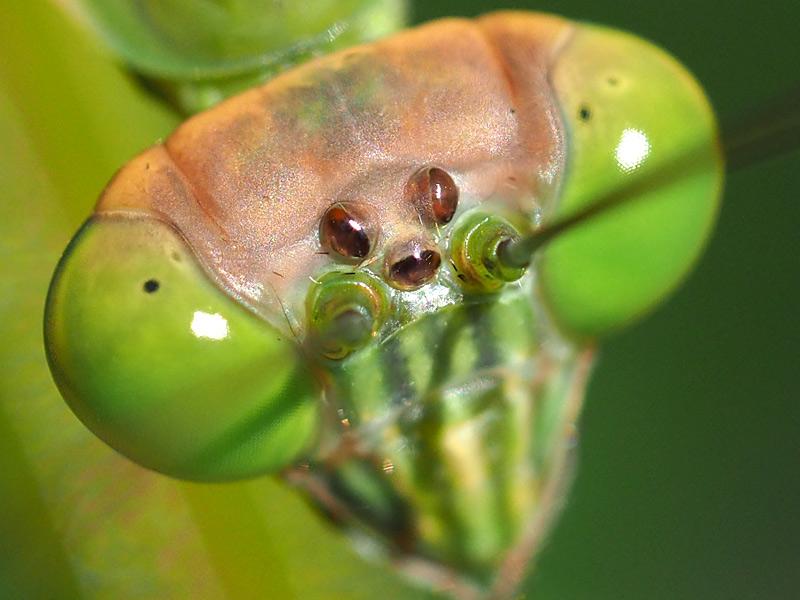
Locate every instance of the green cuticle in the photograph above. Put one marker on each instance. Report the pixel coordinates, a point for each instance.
(474, 245)
(345, 310)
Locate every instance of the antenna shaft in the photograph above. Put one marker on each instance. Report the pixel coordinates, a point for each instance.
(767, 132)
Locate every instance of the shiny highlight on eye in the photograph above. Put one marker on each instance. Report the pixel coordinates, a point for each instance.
(632, 149)
(345, 231)
(210, 326)
(434, 193)
(412, 265)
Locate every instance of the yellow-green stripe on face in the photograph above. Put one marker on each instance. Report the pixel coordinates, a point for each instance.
(457, 413)
(166, 368)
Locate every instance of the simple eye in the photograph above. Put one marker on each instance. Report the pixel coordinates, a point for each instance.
(435, 193)
(151, 286)
(411, 265)
(345, 231)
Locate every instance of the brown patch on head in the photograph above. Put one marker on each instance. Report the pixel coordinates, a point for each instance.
(248, 181)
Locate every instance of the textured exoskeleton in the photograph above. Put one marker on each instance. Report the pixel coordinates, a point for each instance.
(308, 278)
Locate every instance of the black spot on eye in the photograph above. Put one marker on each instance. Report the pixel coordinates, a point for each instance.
(513, 111)
(584, 113)
(151, 286)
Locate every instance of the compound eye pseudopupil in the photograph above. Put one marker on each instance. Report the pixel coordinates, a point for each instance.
(436, 193)
(344, 231)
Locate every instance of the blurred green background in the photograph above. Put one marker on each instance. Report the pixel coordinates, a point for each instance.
(688, 484)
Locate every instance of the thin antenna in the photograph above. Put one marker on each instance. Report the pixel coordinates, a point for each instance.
(766, 132)
(769, 131)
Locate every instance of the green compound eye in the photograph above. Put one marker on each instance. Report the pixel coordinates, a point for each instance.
(345, 311)
(166, 368)
(630, 109)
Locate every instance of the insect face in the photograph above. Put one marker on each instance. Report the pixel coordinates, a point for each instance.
(373, 209)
